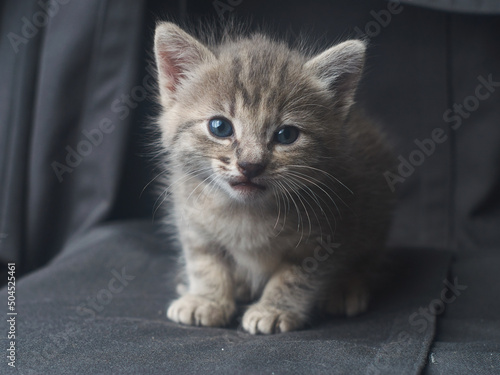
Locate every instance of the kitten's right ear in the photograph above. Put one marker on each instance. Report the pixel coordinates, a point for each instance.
(176, 54)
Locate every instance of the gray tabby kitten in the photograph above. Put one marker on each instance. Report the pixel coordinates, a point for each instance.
(277, 182)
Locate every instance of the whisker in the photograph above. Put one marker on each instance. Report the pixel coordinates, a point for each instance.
(300, 185)
(168, 190)
(329, 175)
(197, 186)
(278, 203)
(320, 188)
(320, 182)
(297, 193)
(152, 180)
(286, 204)
(299, 216)
(212, 184)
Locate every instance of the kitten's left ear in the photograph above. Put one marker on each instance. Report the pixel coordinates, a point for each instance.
(177, 53)
(339, 69)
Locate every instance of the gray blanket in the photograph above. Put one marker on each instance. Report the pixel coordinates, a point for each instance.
(94, 271)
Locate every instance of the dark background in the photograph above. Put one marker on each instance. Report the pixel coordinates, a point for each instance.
(67, 237)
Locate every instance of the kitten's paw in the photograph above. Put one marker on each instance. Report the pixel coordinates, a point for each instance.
(200, 311)
(261, 318)
(351, 302)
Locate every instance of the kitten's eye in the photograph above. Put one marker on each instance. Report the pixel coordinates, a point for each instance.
(286, 135)
(220, 127)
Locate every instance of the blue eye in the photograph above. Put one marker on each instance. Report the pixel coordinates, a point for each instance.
(220, 127)
(286, 135)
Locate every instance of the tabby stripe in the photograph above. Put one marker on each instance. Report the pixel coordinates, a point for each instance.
(232, 107)
(182, 129)
(236, 71)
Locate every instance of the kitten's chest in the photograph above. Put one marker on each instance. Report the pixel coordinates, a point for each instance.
(243, 232)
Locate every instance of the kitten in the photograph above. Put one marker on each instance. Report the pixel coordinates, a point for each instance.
(277, 181)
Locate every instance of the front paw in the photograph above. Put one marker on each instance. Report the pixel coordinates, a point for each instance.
(262, 318)
(200, 311)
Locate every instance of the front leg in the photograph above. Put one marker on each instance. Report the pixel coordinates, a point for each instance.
(286, 302)
(209, 297)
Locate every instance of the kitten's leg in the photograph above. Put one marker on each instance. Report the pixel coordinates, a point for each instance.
(242, 291)
(209, 298)
(286, 302)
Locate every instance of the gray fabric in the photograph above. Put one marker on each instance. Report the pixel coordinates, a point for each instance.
(475, 359)
(468, 336)
(59, 84)
(73, 319)
(65, 79)
(465, 6)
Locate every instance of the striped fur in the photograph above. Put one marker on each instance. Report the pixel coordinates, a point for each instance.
(259, 245)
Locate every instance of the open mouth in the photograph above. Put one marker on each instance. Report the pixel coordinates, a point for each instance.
(246, 186)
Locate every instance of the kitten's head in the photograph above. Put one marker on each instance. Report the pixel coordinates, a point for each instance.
(251, 115)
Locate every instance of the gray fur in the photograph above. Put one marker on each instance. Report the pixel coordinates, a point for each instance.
(253, 245)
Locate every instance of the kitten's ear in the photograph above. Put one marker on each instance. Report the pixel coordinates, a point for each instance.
(176, 53)
(339, 69)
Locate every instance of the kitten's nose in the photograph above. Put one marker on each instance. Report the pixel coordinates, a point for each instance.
(251, 170)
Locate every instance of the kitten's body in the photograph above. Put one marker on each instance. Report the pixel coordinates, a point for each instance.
(294, 226)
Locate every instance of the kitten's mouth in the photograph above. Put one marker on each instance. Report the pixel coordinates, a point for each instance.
(246, 185)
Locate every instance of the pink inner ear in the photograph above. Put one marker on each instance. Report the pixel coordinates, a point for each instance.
(170, 68)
